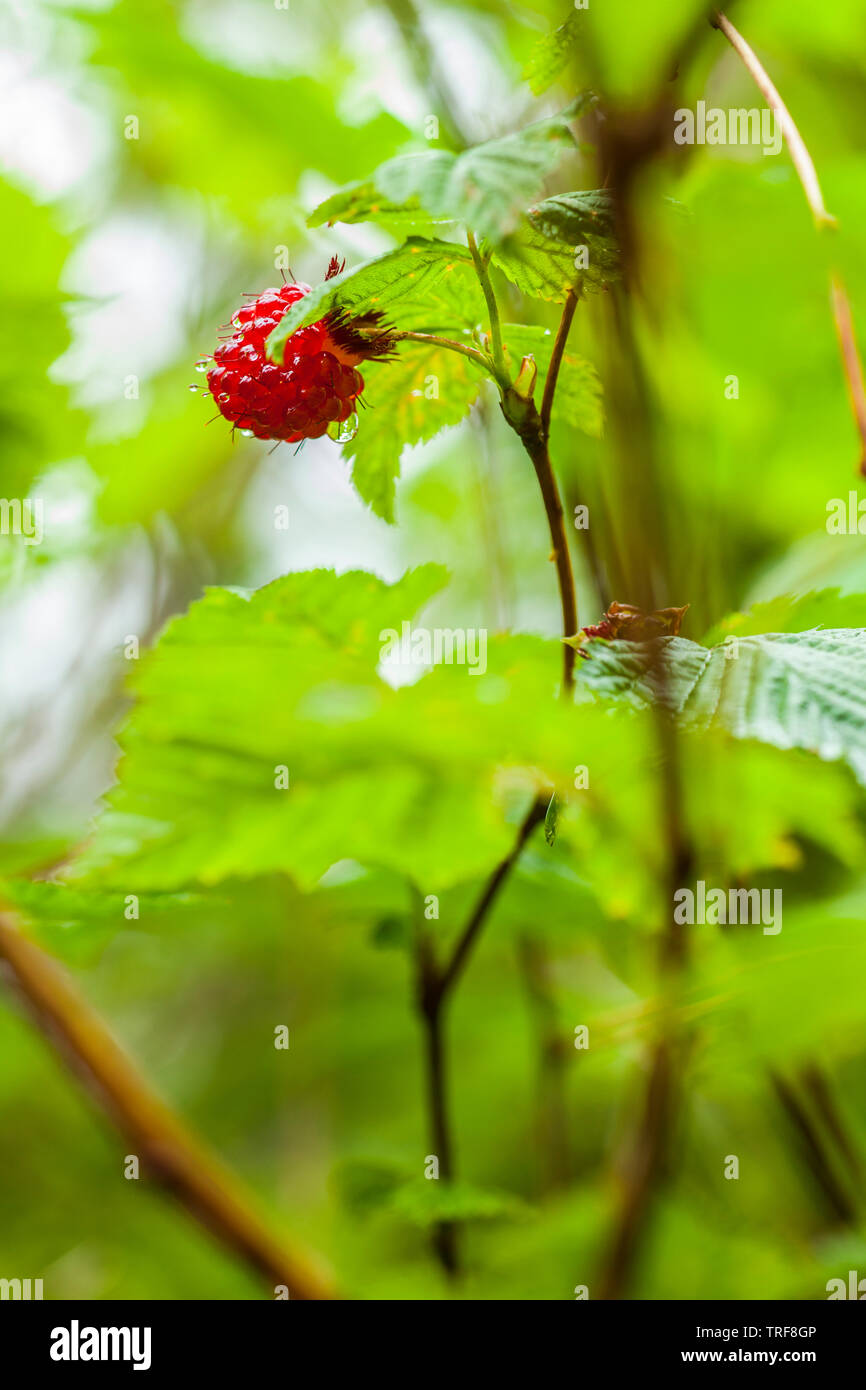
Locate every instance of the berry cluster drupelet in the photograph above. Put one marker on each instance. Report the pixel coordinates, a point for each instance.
(316, 385)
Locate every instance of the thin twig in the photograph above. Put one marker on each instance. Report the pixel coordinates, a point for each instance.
(800, 155)
(449, 976)
(435, 986)
(556, 359)
(851, 363)
(805, 167)
(433, 340)
(207, 1190)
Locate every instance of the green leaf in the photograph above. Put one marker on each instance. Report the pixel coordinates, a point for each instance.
(793, 690)
(544, 252)
(486, 187)
(425, 1203)
(575, 217)
(242, 686)
(793, 613)
(391, 195)
(405, 275)
(552, 53)
(411, 400)
(367, 1185)
(37, 426)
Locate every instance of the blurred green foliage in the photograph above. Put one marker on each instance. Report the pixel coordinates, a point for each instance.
(260, 649)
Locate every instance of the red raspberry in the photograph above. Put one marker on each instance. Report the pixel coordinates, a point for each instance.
(318, 382)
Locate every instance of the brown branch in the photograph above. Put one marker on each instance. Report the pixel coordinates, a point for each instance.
(556, 359)
(449, 976)
(851, 363)
(805, 167)
(523, 417)
(207, 1190)
(435, 985)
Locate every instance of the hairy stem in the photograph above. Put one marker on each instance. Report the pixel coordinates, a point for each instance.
(208, 1191)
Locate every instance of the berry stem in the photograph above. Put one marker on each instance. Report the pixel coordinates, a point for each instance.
(500, 369)
(434, 340)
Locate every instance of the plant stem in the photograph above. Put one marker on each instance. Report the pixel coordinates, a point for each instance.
(851, 364)
(525, 419)
(209, 1192)
(552, 1052)
(838, 1201)
(500, 368)
(556, 359)
(436, 984)
(451, 973)
(799, 153)
(805, 167)
(433, 340)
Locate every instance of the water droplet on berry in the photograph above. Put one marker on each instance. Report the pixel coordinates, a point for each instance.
(236, 321)
(201, 364)
(341, 431)
(247, 434)
(193, 386)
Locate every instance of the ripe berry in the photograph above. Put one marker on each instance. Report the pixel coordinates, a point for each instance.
(317, 383)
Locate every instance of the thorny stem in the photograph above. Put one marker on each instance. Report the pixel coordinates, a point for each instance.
(805, 167)
(209, 1192)
(435, 984)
